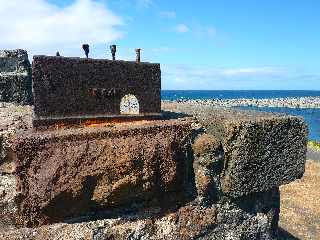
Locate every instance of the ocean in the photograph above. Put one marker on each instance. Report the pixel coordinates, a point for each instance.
(311, 115)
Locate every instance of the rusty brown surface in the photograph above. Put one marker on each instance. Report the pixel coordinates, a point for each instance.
(122, 180)
(75, 87)
(70, 172)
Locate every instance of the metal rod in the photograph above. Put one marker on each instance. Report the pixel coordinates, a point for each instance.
(86, 49)
(113, 49)
(138, 55)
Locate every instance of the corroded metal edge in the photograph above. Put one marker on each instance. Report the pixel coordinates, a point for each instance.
(78, 119)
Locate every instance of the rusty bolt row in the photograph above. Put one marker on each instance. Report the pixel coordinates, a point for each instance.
(113, 49)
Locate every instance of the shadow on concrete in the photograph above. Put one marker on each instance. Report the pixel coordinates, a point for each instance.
(284, 235)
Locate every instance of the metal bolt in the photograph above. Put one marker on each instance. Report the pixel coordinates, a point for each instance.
(86, 48)
(113, 49)
(138, 55)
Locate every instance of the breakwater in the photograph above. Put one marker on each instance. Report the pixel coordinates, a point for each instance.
(290, 102)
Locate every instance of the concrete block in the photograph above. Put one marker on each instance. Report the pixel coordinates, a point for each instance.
(67, 173)
(261, 150)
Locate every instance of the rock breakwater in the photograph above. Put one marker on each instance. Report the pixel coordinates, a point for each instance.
(292, 102)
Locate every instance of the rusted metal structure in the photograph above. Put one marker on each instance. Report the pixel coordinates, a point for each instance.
(77, 89)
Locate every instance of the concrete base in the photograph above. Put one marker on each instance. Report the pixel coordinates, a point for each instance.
(213, 176)
(69, 172)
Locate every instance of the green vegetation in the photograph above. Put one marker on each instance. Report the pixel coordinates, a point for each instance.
(314, 145)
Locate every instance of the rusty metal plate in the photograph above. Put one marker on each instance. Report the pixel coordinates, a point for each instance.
(75, 89)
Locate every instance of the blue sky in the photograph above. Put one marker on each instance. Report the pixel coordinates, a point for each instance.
(205, 44)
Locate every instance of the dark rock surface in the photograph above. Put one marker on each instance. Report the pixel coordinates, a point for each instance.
(256, 219)
(68, 88)
(261, 150)
(97, 183)
(15, 77)
(66, 173)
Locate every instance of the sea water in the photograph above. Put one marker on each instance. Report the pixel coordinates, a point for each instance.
(311, 115)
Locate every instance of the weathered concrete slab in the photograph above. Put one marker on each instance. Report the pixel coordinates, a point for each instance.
(255, 219)
(261, 150)
(15, 77)
(69, 172)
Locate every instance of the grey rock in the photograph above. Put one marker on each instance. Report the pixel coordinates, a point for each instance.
(8, 208)
(208, 165)
(13, 118)
(15, 77)
(261, 150)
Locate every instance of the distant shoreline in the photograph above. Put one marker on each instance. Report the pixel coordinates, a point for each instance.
(289, 102)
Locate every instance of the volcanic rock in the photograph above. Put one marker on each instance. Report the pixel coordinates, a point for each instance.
(15, 77)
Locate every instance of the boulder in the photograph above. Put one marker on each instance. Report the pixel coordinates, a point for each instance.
(261, 150)
(15, 77)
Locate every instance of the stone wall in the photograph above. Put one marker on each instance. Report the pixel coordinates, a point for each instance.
(69, 87)
(200, 173)
(15, 77)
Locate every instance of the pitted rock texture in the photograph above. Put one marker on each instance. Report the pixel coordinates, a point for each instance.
(69, 172)
(8, 207)
(167, 182)
(15, 77)
(67, 88)
(261, 150)
(254, 218)
(12, 118)
(208, 165)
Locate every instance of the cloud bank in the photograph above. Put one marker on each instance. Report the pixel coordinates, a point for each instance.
(42, 27)
(188, 77)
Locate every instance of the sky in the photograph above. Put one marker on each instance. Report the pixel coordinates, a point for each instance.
(201, 45)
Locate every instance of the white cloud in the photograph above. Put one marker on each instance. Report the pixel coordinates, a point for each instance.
(38, 25)
(251, 71)
(182, 28)
(199, 31)
(201, 77)
(168, 14)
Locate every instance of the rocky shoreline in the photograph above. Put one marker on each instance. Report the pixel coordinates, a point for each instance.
(294, 102)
